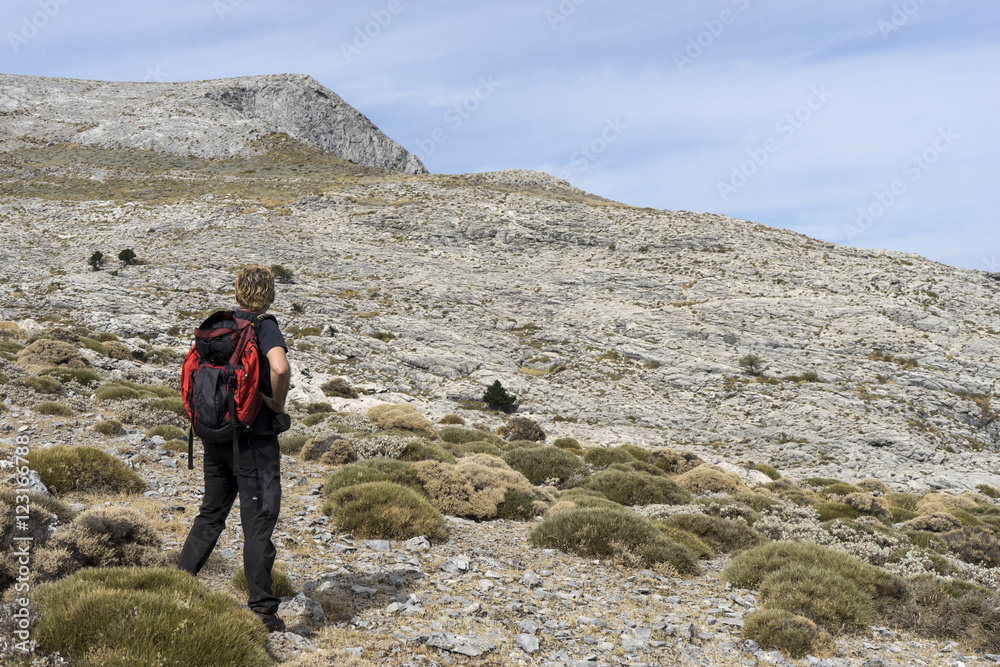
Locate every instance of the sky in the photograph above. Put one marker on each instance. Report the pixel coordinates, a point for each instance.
(868, 123)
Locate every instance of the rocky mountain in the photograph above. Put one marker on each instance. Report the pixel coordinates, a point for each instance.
(219, 118)
(611, 324)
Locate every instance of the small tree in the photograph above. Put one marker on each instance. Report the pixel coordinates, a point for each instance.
(96, 260)
(752, 364)
(281, 274)
(127, 256)
(497, 397)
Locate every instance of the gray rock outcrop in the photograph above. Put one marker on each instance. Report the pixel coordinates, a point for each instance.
(220, 118)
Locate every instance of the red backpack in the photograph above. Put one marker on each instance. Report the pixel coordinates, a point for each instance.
(220, 379)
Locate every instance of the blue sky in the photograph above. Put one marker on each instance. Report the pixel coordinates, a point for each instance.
(865, 122)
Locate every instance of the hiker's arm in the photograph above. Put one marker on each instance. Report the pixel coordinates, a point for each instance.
(280, 375)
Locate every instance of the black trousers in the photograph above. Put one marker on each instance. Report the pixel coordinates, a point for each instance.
(259, 486)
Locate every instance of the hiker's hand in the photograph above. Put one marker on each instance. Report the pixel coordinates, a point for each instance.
(269, 402)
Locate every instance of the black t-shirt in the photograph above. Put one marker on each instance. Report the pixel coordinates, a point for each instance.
(269, 336)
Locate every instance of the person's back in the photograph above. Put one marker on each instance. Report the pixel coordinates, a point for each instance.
(257, 477)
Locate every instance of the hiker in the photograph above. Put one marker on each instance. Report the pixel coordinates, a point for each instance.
(259, 480)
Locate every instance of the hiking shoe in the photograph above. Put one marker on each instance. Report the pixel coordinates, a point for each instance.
(272, 622)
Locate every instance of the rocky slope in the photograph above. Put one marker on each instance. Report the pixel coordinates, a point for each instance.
(219, 118)
(612, 324)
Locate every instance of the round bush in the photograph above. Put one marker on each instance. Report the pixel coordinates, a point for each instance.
(63, 469)
(159, 616)
(82, 376)
(612, 533)
(53, 409)
(637, 488)
(566, 443)
(711, 479)
(722, 535)
(539, 464)
(452, 419)
(373, 470)
(780, 630)
(41, 384)
(384, 510)
(167, 432)
(522, 428)
(422, 450)
(456, 435)
(818, 593)
(109, 427)
(602, 457)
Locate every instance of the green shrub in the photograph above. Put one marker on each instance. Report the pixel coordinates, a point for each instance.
(516, 505)
(54, 409)
(384, 510)
(338, 388)
(41, 384)
(314, 408)
(423, 450)
(167, 432)
(455, 435)
(522, 428)
(822, 481)
(92, 344)
(82, 376)
(174, 405)
(96, 260)
(106, 536)
(292, 444)
(452, 419)
(128, 256)
(281, 585)
(4, 379)
(976, 545)
(315, 418)
(752, 364)
(612, 534)
(475, 447)
(987, 490)
(835, 602)
(109, 427)
(602, 457)
(721, 535)
(840, 489)
(927, 540)
(566, 443)
(770, 471)
(639, 466)
(750, 568)
(950, 610)
(906, 501)
(777, 629)
(830, 511)
(539, 464)
(401, 416)
(161, 616)
(373, 470)
(50, 504)
(281, 274)
(81, 468)
(637, 488)
(115, 392)
(497, 397)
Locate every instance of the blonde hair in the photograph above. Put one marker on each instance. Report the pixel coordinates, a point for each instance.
(255, 288)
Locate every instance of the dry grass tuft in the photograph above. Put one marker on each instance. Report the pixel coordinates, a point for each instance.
(402, 416)
(45, 353)
(936, 522)
(711, 479)
(87, 469)
(330, 450)
(674, 462)
(384, 510)
(476, 486)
